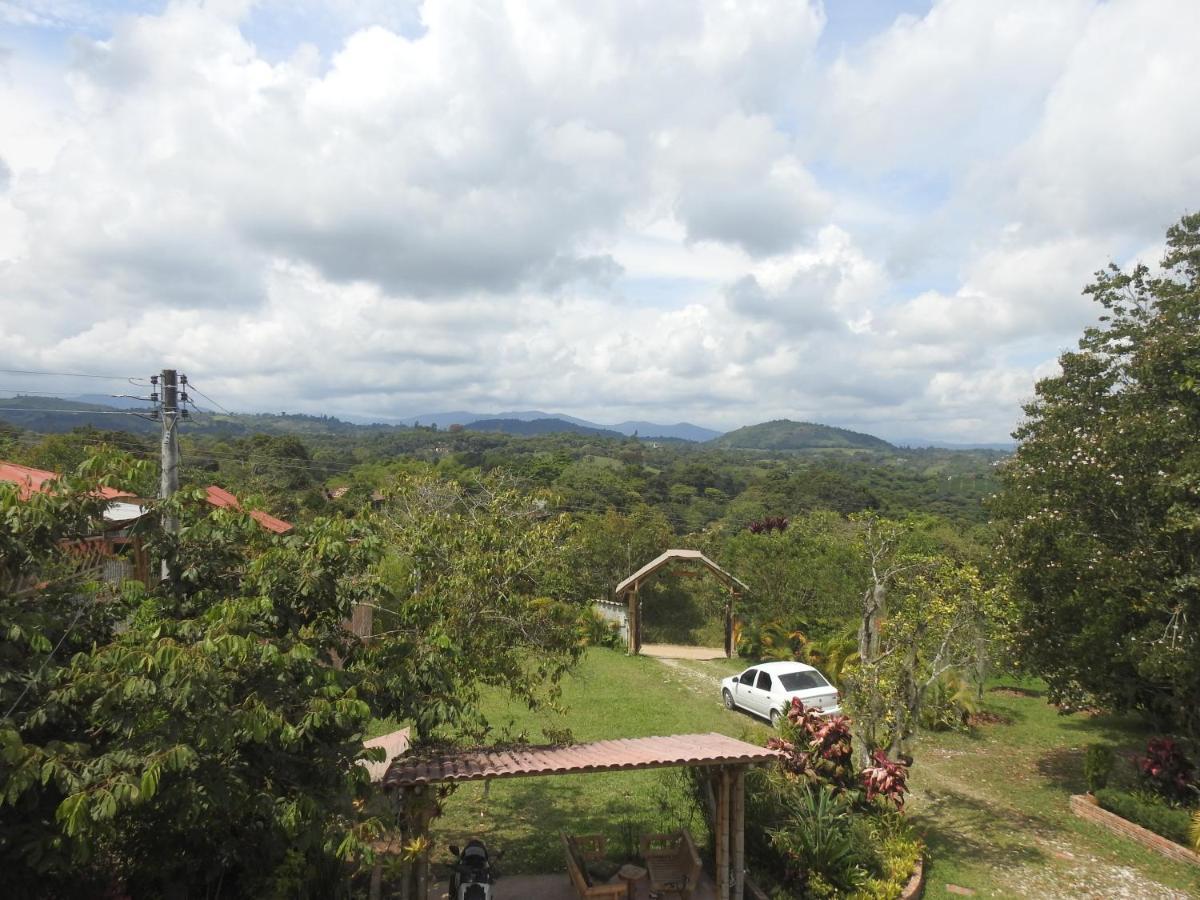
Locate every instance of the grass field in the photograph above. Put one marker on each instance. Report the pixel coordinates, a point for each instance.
(992, 805)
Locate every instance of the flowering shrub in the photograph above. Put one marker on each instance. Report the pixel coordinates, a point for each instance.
(1167, 770)
(768, 523)
(885, 779)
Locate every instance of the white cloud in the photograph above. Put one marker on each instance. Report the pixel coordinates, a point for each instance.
(610, 209)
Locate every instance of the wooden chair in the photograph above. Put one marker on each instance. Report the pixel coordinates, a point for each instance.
(579, 850)
(673, 863)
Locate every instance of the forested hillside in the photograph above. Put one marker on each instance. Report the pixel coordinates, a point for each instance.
(783, 434)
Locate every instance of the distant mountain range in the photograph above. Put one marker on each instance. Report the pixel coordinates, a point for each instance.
(538, 426)
(784, 434)
(55, 414)
(685, 431)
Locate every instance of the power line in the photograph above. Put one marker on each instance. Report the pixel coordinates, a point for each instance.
(85, 412)
(65, 374)
(192, 385)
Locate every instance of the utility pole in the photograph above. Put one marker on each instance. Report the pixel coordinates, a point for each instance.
(170, 416)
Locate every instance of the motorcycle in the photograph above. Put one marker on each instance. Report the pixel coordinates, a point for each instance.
(472, 871)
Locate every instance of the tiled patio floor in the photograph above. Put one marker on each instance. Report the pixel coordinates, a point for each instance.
(558, 887)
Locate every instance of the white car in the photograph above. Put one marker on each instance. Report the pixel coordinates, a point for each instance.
(768, 688)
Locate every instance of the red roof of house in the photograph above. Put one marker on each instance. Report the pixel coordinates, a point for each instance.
(220, 497)
(32, 481)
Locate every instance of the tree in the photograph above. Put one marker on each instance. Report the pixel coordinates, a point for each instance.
(472, 569)
(607, 547)
(1101, 503)
(199, 734)
(808, 573)
(924, 615)
(205, 711)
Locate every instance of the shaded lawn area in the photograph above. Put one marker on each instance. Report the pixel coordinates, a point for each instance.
(992, 806)
(609, 696)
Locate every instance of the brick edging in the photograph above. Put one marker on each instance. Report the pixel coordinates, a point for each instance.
(916, 885)
(1086, 807)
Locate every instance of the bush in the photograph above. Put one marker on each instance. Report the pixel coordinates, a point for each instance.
(602, 632)
(885, 780)
(898, 849)
(824, 846)
(1097, 766)
(1147, 810)
(949, 703)
(818, 747)
(1167, 771)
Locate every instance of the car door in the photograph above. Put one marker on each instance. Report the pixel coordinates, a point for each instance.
(762, 694)
(744, 688)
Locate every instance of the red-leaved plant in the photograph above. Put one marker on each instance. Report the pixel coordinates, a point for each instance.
(885, 779)
(1167, 770)
(817, 747)
(768, 523)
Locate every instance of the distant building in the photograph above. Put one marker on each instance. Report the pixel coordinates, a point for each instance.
(116, 552)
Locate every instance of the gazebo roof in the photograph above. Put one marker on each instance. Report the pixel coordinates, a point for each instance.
(659, 562)
(710, 749)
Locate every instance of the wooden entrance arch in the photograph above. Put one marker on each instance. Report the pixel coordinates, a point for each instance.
(628, 590)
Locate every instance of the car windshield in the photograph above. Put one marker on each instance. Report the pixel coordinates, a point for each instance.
(802, 681)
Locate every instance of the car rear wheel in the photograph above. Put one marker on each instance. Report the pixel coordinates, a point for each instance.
(775, 715)
(727, 698)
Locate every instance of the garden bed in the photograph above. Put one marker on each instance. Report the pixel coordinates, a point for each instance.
(1086, 807)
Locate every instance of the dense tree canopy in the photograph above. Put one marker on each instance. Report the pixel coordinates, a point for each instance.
(1102, 501)
(199, 734)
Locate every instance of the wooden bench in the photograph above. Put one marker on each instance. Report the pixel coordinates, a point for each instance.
(579, 850)
(672, 861)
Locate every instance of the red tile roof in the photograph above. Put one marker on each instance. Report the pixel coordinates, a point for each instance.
(601, 756)
(33, 481)
(220, 497)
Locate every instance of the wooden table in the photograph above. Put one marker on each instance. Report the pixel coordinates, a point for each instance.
(630, 874)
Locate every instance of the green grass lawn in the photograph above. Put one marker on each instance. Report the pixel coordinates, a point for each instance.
(991, 805)
(610, 696)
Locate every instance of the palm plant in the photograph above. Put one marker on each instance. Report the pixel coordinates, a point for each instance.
(835, 656)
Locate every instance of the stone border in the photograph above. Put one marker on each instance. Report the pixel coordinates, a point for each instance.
(916, 885)
(1086, 807)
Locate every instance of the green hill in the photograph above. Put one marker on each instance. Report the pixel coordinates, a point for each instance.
(538, 426)
(784, 434)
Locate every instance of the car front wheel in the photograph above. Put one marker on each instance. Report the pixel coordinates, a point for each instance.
(728, 698)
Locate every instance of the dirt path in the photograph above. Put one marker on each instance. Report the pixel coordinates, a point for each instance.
(699, 682)
(678, 651)
(1031, 853)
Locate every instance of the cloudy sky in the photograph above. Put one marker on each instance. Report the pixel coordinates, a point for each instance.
(871, 213)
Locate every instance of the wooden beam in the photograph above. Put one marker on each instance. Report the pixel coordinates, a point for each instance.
(738, 825)
(722, 835)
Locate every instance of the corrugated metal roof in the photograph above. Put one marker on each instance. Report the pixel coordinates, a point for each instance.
(694, 555)
(32, 481)
(218, 496)
(710, 749)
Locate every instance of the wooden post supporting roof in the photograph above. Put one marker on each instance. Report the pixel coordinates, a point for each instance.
(738, 836)
(722, 836)
(629, 589)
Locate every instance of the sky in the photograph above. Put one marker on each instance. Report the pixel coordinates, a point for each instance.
(878, 215)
